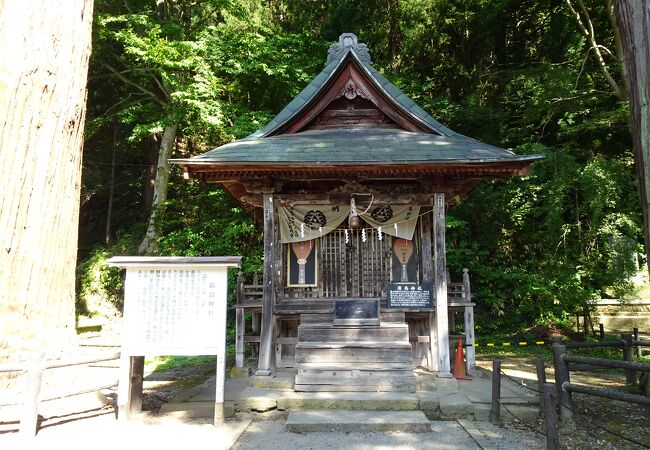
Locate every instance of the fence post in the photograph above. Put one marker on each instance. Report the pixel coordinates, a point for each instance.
(495, 412)
(33, 378)
(137, 384)
(601, 328)
(561, 377)
(630, 374)
(635, 333)
(550, 414)
(541, 382)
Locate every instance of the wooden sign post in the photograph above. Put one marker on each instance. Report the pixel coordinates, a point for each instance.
(173, 306)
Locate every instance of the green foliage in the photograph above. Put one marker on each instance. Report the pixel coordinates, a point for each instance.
(169, 363)
(98, 286)
(512, 73)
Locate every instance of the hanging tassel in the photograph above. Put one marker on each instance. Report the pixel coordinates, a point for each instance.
(347, 236)
(320, 230)
(379, 235)
(363, 235)
(302, 229)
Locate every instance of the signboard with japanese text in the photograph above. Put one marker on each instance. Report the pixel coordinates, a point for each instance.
(409, 296)
(173, 310)
(173, 306)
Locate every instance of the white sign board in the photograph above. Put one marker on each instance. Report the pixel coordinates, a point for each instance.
(173, 310)
(173, 306)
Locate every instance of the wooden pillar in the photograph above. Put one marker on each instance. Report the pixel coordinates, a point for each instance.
(240, 324)
(470, 339)
(29, 415)
(137, 384)
(265, 362)
(239, 337)
(440, 280)
(427, 278)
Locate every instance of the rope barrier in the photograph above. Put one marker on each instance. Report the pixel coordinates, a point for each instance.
(514, 415)
(625, 438)
(507, 344)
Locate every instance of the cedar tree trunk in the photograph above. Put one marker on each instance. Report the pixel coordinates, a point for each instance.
(633, 19)
(43, 71)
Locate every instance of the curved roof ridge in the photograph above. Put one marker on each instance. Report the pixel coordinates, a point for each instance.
(336, 58)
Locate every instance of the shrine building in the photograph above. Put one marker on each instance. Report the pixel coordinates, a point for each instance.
(351, 181)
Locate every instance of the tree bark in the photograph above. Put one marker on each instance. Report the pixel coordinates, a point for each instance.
(633, 18)
(149, 244)
(43, 98)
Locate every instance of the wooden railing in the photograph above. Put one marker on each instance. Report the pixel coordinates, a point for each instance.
(32, 373)
(249, 304)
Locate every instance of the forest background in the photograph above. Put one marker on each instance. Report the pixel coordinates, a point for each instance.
(180, 77)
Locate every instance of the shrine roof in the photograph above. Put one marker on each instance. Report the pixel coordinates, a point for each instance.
(408, 135)
(360, 146)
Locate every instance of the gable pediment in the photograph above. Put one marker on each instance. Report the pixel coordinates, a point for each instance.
(351, 99)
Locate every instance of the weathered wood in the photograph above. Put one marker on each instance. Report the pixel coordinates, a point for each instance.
(470, 338)
(495, 411)
(433, 342)
(635, 335)
(601, 329)
(33, 379)
(351, 73)
(562, 376)
(385, 333)
(609, 363)
(614, 394)
(239, 337)
(265, 361)
(137, 384)
(329, 366)
(541, 381)
(426, 254)
(628, 350)
(550, 415)
(440, 281)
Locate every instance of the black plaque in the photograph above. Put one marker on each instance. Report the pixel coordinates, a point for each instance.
(356, 312)
(410, 296)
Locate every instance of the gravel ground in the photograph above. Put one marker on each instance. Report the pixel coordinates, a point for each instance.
(270, 435)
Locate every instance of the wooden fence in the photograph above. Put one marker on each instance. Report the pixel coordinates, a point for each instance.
(32, 373)
(559, 397)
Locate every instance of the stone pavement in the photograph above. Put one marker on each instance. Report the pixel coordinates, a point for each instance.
(438, 398)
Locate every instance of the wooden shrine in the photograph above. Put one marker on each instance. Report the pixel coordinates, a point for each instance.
(351, 181)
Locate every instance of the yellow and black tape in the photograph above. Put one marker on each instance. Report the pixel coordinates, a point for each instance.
(506, 344)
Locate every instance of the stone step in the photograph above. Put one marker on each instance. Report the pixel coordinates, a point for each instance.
(375, 387)
(363, 380)
(354, 401)
(357, 421)
(334, 366)
(361, 372)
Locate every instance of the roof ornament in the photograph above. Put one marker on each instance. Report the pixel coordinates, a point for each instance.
(348, 41)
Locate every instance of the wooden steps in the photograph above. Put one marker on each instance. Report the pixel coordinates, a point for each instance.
(354, 358)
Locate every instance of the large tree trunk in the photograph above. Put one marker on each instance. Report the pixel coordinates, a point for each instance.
(46, 47)
(633, 18)
(149, 244)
